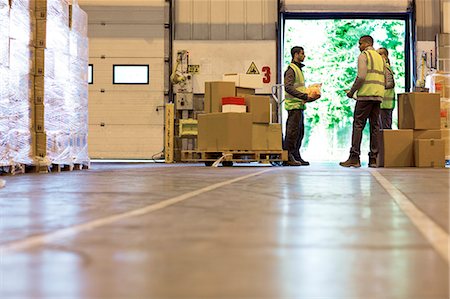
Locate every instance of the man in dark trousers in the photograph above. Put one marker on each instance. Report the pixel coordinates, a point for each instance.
(296, 98)
(369, 85)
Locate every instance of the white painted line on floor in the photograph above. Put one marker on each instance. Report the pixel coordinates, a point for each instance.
(438, 237)
(47, 238)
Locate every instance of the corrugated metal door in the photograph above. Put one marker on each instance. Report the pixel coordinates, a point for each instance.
(126, 121)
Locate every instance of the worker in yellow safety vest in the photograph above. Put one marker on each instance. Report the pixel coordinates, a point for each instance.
(369, 86)
(295, 104)
(388, 104)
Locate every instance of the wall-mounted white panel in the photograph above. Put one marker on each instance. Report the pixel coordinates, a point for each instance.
(201, 14)
(157, 3)
(225, 19)
(346, 6)
(446, 16)
(219, 19)
(217, 58)
(103, 74)
(117, 108)
(237, 11)
(255, 19)
(125, 14)
(125, 141)
(126, 31)
(129, 47)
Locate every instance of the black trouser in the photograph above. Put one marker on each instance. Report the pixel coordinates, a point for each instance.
(366, 110)
(295, 130)
(386, 118)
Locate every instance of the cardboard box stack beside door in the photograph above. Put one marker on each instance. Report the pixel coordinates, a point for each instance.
(218, 131)
(418, 142)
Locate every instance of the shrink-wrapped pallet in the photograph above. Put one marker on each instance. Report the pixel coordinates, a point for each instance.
(4, 83)
(78, 88)
(21, 82)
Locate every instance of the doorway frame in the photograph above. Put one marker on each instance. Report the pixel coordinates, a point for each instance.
(410, 34)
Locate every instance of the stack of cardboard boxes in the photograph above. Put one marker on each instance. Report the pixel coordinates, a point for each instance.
(418, 142)
(251, 130)
(440, 83)
(43, 89)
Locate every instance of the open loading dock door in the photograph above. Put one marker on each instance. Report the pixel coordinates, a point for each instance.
(330, 34)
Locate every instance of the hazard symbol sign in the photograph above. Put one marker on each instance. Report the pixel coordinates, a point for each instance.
(253, 70)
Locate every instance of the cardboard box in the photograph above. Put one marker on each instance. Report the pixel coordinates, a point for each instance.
(446, 139)
(39, 118)
(274, 137)
(224, 131)
(41, 145)
(39, 84)
(259, 106)
(242, 91)
(214, 92)
(259, 137)
(427, 134)
(419, 110)
(41, 33)
(429, 153)
(234, 108)
(244, 80)
(267, 137)
(396, 148)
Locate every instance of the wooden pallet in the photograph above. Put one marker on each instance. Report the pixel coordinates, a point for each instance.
(234, 156)
(68, 167)
(25, 168)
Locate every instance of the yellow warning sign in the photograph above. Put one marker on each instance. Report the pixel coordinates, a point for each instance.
(253, 70)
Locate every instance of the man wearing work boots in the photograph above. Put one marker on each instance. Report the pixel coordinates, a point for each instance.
(369, 85)
(296, 98)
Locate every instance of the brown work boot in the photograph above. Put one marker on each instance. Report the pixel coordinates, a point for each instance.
(292, 161)
(352, 161)
(372, 162)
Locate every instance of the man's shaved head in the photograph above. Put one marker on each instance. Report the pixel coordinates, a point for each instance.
(367, 39)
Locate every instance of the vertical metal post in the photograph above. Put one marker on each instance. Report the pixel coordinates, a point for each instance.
(169, 134)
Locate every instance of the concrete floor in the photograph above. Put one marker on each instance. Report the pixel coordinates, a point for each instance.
(318, 232)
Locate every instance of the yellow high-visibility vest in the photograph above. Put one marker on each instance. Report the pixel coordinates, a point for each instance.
(292, 102)
(374, 84)
(389, 94)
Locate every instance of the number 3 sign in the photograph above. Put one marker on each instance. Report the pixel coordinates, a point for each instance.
(266, 72)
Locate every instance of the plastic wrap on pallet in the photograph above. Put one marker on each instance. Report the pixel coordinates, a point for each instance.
(21, 146)
(79, 57)
(4, 33)
(80, 148)
(52, 34)
(21, 57)
(53, 9)
(78, 19)
(22, 21)
(79, 46)
(79, 94)
(59, 150)
(4, 117)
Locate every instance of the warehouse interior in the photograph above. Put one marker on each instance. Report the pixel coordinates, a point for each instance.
(143, 153)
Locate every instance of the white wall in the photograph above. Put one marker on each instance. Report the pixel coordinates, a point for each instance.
(216, 58)
(446, 16)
